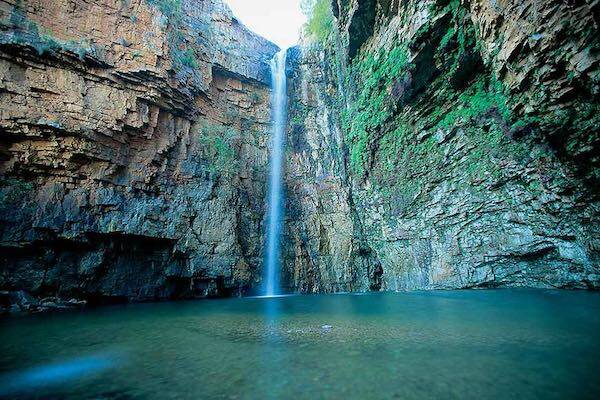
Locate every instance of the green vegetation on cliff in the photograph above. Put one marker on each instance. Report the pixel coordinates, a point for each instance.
(169, 8)
(181, 55)
(382, 76)
(430, 109)
(320, 23)
(217, 143)
(25, 32)
(14, 192)
(407, 104)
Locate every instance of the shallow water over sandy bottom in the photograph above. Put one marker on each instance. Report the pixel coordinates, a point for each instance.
(527, 344)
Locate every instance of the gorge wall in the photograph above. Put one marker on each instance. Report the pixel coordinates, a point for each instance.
(445, 144)
(133, 149)
(430, 144)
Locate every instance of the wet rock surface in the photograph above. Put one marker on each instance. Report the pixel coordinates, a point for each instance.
(452, 145)
(22, 302)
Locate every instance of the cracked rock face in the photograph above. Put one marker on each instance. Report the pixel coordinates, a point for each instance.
(133, 149)
(480, 167)
(431, 144)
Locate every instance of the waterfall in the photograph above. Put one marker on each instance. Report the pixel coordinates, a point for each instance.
(275, 216)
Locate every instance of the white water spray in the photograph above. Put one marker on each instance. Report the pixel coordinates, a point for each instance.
(275, 216)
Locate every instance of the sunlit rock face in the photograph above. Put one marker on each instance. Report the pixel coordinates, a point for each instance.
(133, 149)
(450, 144)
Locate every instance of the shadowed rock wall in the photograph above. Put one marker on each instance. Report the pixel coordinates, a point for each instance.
(448, 144)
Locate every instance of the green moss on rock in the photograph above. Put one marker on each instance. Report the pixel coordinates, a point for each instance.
(217, 142)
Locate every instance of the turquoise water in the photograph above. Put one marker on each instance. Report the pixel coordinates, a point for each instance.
(507, 344)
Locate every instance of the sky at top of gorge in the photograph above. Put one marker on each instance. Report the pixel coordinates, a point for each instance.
(279, 21)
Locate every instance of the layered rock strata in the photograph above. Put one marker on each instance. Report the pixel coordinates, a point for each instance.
(133, 149)
(431, 144)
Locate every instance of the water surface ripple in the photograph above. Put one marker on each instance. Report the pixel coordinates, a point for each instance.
(505, 344)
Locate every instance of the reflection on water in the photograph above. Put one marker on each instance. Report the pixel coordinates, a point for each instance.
(457, 344)
(54, 374)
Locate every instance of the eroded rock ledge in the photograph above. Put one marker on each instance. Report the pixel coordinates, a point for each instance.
(133, 149)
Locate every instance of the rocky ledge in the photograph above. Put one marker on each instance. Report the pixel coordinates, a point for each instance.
(133, 149)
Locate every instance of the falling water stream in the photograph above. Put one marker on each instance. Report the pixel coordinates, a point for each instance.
(275, 216)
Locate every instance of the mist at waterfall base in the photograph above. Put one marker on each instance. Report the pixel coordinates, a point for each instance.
(275, 200)
(493, 344)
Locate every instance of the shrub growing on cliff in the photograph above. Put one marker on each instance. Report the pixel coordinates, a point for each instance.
(186, 58)
(218, 148)
(181, 55)
(320, 18)
(169, 8)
